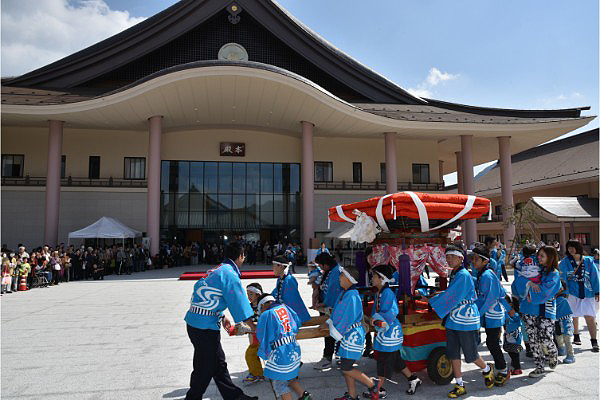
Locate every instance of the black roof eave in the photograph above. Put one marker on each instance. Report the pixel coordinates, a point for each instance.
(508, 112)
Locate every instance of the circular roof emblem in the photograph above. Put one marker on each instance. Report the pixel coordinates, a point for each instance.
(233, 52)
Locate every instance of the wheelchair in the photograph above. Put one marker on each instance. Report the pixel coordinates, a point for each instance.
(39, 280)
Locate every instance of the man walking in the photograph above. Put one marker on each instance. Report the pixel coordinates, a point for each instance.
(220, 289)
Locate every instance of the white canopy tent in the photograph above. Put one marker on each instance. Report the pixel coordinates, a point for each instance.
(105, 228)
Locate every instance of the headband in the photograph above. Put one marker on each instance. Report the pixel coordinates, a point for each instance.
(286, 265)
(456, 253)
(263, 301)
(384, 278)
(347, 274)
(481, 256)
(254, 289)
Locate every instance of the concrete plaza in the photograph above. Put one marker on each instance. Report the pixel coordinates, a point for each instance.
(125, 338)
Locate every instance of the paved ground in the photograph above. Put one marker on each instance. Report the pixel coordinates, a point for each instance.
(125, 338)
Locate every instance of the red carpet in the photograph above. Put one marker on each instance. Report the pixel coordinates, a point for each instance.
(257, 274)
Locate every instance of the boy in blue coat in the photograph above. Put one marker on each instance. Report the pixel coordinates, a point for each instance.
(276, 331)
(490, 300)
(345, 326)
(563, 327)
(456, 305)
(286, 289)
(388, 340)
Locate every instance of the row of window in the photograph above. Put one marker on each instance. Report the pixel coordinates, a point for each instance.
(324, 172)
(135, 168)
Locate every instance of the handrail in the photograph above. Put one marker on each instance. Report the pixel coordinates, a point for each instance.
(76, 182)
(369, 185)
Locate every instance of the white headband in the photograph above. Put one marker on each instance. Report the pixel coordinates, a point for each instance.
(455, 253)
(263, 301)
(481, 256)
(347, 274)
(254, 289)
(384, 278)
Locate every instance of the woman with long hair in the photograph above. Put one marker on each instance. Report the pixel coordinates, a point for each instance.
(581, 276)
(538, 308)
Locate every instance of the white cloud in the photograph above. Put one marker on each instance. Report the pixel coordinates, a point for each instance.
(434, 77)
(36, 33)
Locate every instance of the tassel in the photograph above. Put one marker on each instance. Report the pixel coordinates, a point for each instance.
(490, 212)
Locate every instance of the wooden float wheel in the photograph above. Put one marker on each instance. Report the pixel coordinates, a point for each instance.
(439, 367)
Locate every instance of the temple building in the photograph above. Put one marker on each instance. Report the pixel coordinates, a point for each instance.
(216, 118)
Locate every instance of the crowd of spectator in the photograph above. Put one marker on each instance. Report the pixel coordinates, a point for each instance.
(46, 266)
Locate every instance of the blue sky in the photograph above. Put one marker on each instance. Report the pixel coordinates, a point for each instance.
(513, 54)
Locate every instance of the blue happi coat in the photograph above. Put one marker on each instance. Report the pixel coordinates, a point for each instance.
(498, 261)
(276, 332)
(220, 289)
(345, 324)
(490, 298)
(541, 304)
(512, 329)
(456, 304)
(330, 287)
(564, 316)
(286, 292)
(583, 283)
(388, 339)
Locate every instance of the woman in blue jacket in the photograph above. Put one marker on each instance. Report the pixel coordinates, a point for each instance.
(538, 309)
(581, 276)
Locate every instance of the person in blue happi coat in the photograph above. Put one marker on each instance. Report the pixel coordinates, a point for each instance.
(513, 335)
(329, 292)
(276, 332)
(538, 309)
(497, 257)
(286, 289)
(389, 338)
(456, 305)
(563, 327)
(221, 289)
(345, 326)
(581, 276)
(492, 307)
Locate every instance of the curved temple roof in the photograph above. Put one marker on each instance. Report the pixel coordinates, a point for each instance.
(58, 82)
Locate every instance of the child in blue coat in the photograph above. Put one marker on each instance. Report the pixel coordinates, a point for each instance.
(388, 340)
(276, 331)
(513, 335)
(563, 327)
(345, 326)
(286, 289)
(491, 304)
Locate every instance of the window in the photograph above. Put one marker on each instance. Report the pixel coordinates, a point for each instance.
(63, 166)
(498, 210)
(584, 238)
(94, 167)
(323, 171)
(420, 173)
(357, 172)
(382, 172)
(135, 168)
(12, 165)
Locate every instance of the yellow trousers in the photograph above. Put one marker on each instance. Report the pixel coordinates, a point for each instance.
(252, 360)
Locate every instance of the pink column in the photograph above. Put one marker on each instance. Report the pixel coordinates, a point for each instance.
(459, 173)
(55, 137)
(391, 174)
(563, 237)
(466, 147)
(308, 185)
(153, 208)
(506, 188)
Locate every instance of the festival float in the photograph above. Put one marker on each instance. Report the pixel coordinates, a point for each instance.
(408, 230)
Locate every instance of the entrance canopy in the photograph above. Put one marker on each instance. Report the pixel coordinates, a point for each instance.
(105, 228)
(566, 209)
